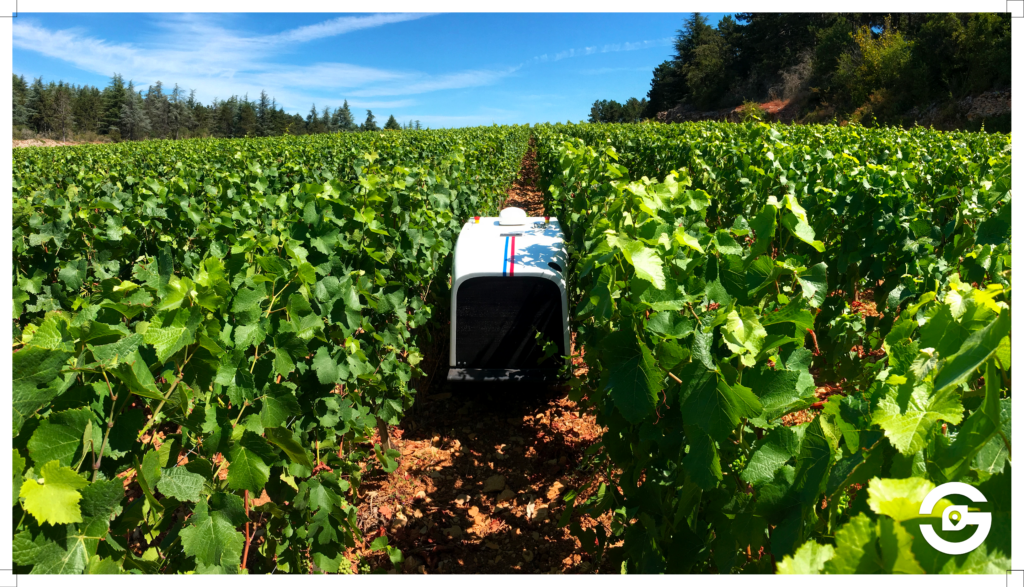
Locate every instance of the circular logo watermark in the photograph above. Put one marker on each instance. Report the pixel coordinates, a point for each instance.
(956, 518)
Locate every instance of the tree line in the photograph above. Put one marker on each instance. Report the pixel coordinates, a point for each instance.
(838, 62)
(123, 111)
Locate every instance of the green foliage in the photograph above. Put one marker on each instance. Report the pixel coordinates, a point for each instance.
(757, 236)
(257, 302)
(876, 62)
(855, 66)
(392, 124)
(53, 497)
(611, 111)
(752, 112)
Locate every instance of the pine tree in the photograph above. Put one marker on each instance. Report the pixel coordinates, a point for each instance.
(325, 120)
(88, 109)
(134, 124)
(371, 123)
(16, 109)
(392, 124)
(178, 113)
(336, 121)
(248, 123)
(21, 112)
(39, 105)
(114, 96)
(197, 115)
(264, 114)
(225, 118)
(63, 116)
(347, 122)
(418, 127)
(156, 109)
(312, 120)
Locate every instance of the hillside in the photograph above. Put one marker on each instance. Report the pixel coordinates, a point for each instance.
(990, 109)
(947, 71)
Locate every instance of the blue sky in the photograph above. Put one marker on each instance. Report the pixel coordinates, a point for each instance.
(443, 69)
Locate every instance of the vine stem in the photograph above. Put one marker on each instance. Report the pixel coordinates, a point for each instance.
(97, 459)
(248, 535)
(690, 306)
(240, 412)
(382, 430)
(159, 407)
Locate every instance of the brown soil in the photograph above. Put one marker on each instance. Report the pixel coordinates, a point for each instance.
(50, 143)
(480, 484)
(866, 305)
(780, 110)
(776, 110)
(524, 193)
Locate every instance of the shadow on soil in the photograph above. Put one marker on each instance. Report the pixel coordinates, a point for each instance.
(483, 471)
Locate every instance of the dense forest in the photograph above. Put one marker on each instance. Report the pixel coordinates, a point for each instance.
(123, 112)
(847, 66)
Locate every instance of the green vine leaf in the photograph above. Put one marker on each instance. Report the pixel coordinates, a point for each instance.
(634, 379)
(211, 538)
(54, 497)
(179, 483)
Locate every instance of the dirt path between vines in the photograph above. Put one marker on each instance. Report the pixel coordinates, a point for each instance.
(524, 193)
(483, 471)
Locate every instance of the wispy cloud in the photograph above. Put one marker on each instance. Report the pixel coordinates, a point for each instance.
(204, 53)
(607, 70)
(339, 26)
(381, 103)
(423, 83)
(609, 48)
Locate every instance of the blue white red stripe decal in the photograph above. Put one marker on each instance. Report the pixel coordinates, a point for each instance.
(508, 262)
(504, 260)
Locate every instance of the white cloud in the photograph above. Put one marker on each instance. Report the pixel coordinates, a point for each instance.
(339, 26)
(607, 70)
(203, 53)
(381, 103)
(611, 48)
(423, 83)
(209, 53)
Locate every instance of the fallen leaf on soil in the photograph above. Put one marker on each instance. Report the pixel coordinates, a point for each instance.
(506, 495)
